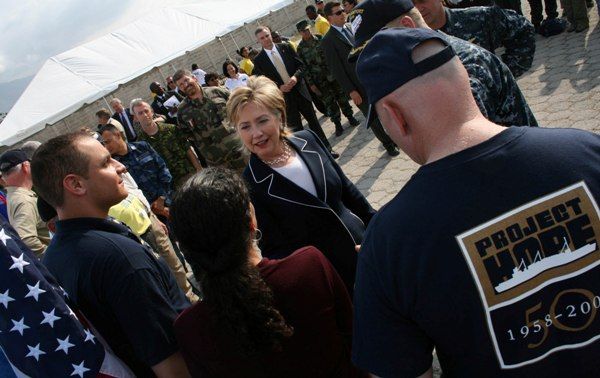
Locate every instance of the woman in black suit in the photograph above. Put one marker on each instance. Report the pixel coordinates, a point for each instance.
(300, 193)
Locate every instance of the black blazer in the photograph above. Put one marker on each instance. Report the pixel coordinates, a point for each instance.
(336, 49)
(293, 65)
(128, 134)
(290, 218)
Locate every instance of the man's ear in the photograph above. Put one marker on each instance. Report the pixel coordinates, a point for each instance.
(74, 184)
(407, 22)
(26, 167)
(392, 113)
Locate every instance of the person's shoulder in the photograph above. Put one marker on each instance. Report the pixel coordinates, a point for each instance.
(141, 145)
(301, 262)
(329, 35)
(190, 317)
(98, 244)
(164, 126)
(306, 135)
(308, 255)
(470, 53)
(213, 92)
(567, 137)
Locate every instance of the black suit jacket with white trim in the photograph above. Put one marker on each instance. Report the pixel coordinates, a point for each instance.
(290, 217)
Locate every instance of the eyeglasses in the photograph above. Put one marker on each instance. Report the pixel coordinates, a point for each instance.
(339, 12)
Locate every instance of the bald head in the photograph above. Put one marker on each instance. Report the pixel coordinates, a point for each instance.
(429, 107)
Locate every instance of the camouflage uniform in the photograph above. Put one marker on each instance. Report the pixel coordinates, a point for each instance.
(172, 146)
(317, 73)
(493, 85)
(206, 122)
(494, 27)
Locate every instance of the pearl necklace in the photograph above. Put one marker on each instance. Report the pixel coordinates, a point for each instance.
(285, 155)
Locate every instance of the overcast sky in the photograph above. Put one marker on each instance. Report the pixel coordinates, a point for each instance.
(34, 30)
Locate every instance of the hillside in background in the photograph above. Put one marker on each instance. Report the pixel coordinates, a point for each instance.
(11, 91)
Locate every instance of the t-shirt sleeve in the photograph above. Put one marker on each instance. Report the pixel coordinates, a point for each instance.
(145, 315)
(385, 341)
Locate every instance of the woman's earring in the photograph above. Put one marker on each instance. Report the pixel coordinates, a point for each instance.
(257, 235)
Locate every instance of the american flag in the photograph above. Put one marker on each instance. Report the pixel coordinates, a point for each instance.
(40, 334)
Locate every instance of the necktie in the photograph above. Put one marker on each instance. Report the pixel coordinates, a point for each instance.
(280, 67)
(348, 35)
(126, 123)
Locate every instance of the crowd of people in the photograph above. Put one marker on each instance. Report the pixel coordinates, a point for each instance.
(208, 233)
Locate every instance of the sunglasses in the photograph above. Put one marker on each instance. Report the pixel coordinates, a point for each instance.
(339, 12)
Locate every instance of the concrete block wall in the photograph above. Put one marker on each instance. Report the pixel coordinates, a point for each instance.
(209, 57)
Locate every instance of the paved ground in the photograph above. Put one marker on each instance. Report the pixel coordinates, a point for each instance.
(562, 88)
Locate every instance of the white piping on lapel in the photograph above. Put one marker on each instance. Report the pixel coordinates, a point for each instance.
(271, 177)
(320, 160)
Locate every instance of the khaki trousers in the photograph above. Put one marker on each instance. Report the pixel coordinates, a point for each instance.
(159, 241)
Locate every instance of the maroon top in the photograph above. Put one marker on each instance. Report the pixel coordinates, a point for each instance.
(311, 297)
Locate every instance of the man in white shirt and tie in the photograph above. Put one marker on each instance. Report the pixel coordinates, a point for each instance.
(125, 118)
(280, 63)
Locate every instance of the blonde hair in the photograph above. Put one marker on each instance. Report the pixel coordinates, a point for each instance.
(261, 91)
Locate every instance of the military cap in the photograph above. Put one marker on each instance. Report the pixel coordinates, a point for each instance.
(386, 62)
(302, 25)
(370, 16)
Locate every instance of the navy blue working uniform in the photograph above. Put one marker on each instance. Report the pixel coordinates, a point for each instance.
(130, 296)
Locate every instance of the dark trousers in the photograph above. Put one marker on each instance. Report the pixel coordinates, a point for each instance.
(510, 4)
(536, 10)
(377, 127)
(297, 104)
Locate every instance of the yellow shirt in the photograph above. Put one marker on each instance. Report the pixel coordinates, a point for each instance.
(321, 25)
(133, 213)
(247, 66)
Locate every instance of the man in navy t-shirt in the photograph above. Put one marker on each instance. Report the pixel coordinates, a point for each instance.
(489, 254)
(129, 295)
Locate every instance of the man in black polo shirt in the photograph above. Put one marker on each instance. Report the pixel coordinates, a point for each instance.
(129, 295)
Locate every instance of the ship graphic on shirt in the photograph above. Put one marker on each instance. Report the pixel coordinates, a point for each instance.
(523, 273)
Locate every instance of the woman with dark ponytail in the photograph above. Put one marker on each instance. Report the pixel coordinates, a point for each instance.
(258, 317)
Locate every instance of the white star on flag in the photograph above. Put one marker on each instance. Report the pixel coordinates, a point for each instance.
(4, 298)
(49, 318)
(79, 369)
(64, 345)
(89, 336)
(19, 326)
(35, 291)
(4, 237)
(18, 263)
(35, 352)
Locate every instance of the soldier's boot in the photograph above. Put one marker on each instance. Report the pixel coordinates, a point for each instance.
(339, 130)
(353, 121)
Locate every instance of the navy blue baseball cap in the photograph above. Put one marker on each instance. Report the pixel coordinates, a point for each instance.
(370, 16)
(11, 159)
(386, 61)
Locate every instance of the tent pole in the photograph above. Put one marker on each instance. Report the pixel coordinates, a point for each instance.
(224, 48)
(287, 14)
(106, 102)
(234, 42)
(212, 61)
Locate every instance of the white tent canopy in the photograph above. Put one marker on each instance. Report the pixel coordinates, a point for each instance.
(86, 73)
